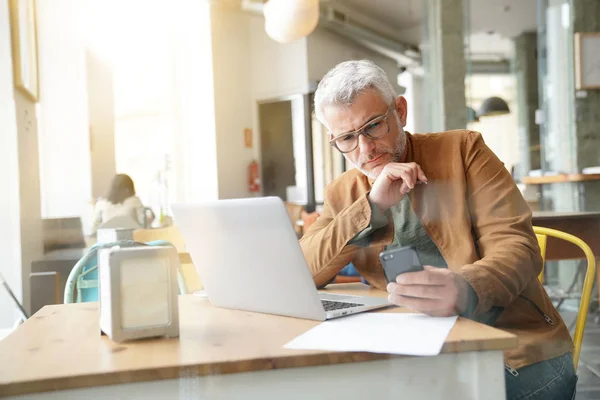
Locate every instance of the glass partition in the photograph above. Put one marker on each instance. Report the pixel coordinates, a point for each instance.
(557, 99)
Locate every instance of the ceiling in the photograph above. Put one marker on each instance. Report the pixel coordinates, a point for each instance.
(405, 16)
(493, 23)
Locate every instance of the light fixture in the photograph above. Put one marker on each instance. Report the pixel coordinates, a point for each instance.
(493, 106)
(471, 115)
(289, 20)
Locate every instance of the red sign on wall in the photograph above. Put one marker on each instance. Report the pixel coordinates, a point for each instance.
(248, 138)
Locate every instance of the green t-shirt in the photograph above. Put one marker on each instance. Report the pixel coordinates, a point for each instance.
(409, 231)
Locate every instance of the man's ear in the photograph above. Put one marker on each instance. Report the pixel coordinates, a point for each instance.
(402, 109)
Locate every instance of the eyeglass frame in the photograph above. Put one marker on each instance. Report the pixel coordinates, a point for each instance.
(361, 131)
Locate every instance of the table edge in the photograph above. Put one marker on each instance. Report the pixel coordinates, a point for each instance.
(221, 368)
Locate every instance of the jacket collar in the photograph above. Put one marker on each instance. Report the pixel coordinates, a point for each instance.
(410, 148)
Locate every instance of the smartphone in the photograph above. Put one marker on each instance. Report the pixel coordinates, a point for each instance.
(399, 260)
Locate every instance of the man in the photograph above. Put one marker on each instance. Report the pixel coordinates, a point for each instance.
(449, 196)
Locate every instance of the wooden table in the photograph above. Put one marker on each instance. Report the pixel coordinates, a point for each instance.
(560, 178)
(578, 179)
(584, 225)
(229, 354)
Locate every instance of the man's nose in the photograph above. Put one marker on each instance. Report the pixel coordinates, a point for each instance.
(365, 144)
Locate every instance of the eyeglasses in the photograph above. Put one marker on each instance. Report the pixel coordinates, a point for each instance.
(375, 129)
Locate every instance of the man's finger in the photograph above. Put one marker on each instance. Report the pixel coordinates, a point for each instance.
(419, 291)
(412, 170)
(413, 173)
(408, 178)
(404, 189)
(421, 174)
(432, 307)
(434, 276)
(398, 172)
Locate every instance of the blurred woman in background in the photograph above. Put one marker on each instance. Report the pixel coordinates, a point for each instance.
(119, 202)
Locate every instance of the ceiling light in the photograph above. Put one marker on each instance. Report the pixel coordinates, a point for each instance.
(289, 20)
(493, 106)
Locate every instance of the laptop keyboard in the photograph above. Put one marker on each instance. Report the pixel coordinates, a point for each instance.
(329, 305)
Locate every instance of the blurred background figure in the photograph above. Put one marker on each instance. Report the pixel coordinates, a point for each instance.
(120, 204)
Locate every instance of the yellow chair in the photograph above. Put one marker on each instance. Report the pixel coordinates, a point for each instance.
(588, 283)
(542, 240)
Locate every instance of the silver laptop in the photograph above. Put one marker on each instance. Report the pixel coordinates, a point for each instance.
(248, 258)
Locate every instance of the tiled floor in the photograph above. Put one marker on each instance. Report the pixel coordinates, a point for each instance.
(588, 386)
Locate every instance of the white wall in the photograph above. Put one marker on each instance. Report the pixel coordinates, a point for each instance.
(101, 109)
(65, 166)
(299, 133)
(415, 122)
(163, 99)
(10, 229)
(194, 142)
(144, 88)
(248, 67)
(231, 44)
(326, 49)
(277, 69)
(280, 71)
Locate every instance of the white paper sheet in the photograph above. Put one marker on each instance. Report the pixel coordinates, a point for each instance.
(591, 170)
(408, 334)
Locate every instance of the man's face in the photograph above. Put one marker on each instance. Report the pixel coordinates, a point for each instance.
(371, 156)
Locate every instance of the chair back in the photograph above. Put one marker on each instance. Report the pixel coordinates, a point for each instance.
(308, 219)
(542, 240)
(82, 283)
(588, 283)
(295, 213)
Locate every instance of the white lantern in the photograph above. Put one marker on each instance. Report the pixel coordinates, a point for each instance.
(289, 20)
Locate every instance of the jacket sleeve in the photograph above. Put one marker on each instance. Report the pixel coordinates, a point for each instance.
(501, 220)
(378, 220)
(325, 244)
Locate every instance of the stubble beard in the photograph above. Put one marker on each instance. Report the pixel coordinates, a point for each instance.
(396, 152)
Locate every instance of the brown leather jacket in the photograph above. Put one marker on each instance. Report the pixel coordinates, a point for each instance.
(475, 214)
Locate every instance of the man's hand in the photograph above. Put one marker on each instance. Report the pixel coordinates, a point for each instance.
(435, 291)
(394, 182)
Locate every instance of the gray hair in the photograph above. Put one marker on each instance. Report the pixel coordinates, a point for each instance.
(344, 82)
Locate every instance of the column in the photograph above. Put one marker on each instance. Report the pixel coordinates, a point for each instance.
(32, 234)
(101, 112)
(445, 65)
(526, 71)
